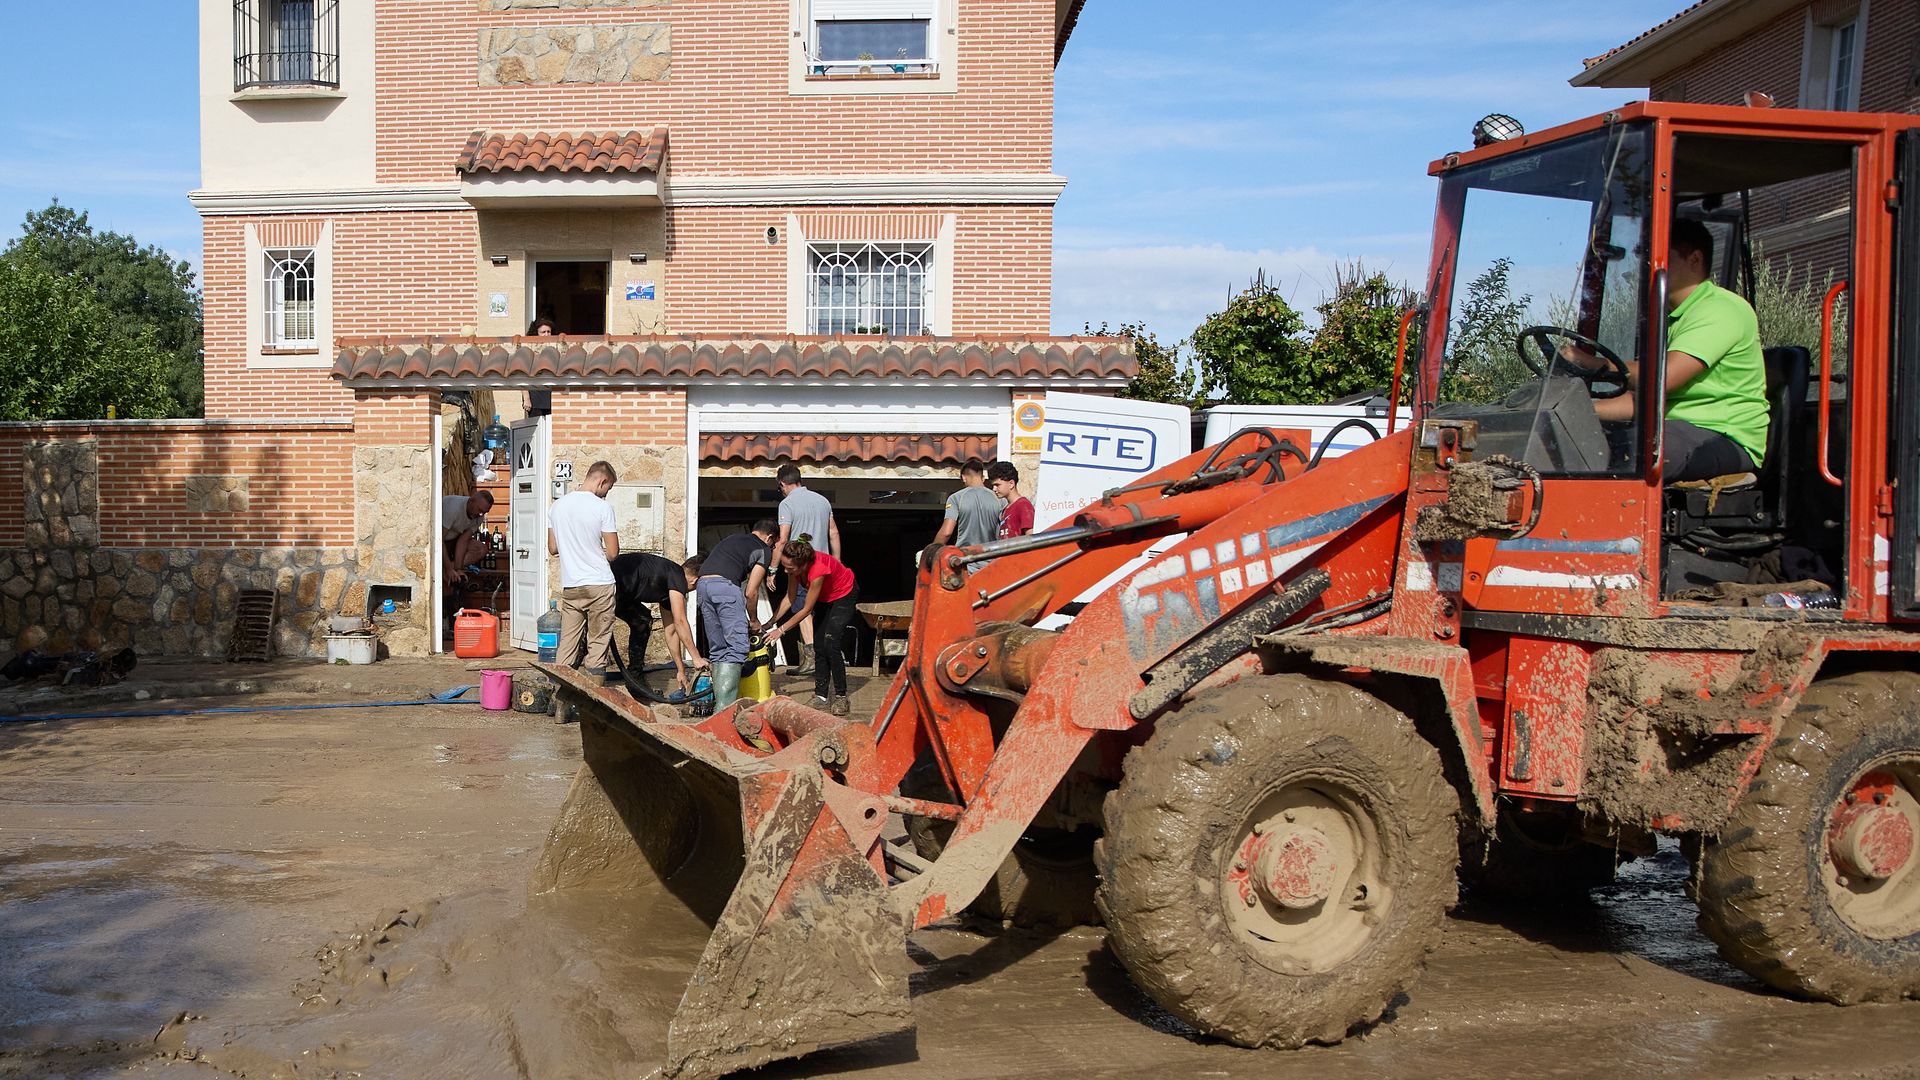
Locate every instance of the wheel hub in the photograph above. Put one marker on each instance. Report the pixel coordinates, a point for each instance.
(1871, 839)
(1295, 866)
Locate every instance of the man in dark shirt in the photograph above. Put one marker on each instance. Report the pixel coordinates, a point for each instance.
(641, 578)
(729, 590)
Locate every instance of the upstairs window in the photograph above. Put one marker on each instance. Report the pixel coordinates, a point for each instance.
(289, 293)
(286, 43)
(1831, 75)
(869, 289)
(872, 37)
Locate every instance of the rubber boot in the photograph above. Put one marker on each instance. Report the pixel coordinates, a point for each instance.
(726, 685)
(807, 660)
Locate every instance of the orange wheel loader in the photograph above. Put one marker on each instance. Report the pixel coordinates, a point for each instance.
(1498, 644)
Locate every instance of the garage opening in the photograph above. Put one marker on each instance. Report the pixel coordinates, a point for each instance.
(573, 295)
(884, 523)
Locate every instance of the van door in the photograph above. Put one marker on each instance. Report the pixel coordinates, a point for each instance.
(528, 524)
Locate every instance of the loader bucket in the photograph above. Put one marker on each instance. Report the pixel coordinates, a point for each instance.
(805, 952)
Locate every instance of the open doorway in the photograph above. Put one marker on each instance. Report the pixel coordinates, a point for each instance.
(572, 294)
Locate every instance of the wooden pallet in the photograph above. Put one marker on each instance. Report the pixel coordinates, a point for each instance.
(253, 625)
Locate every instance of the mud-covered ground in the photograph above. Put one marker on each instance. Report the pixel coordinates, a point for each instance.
(322, 894)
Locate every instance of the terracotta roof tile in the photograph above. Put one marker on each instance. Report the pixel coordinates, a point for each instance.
(829, 449)
(616, 361)
(1592, 60)
(587, 152)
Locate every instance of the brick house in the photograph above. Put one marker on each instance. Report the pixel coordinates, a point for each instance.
(1849, 55)
(816, 231)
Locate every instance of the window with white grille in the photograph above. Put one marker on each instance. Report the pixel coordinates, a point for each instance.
(869, 288)
(289, 291)
(279, 43)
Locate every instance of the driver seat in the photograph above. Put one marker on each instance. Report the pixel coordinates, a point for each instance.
(1745, 514)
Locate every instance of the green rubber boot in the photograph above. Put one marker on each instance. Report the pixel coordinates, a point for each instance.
(726, 685)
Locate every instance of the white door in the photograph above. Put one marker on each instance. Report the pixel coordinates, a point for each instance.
(528, 518)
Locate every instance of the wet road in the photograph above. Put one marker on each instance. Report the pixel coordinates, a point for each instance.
(342, 894)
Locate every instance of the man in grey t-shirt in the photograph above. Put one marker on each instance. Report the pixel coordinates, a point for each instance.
(804, 512)
(460, 520)
(973, 512)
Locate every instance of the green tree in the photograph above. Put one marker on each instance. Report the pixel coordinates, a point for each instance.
(1248, 354)
(63, 356)
(148, 293)
(1353, 348)
(1164, 375)
(1482, 364)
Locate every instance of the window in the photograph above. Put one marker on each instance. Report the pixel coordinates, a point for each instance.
(286, 43)
(871, 37)
(1840, 67)
(868, 288)
(1830, 77)
(290, 294)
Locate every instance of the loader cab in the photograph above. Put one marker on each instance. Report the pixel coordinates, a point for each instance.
(1556, 245)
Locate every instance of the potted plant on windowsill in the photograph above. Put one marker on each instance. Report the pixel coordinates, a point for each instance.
(866, 68)
(900, 64)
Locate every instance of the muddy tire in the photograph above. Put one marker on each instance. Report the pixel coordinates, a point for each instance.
(1813, 886)
(1531, 860)
(1278, 861)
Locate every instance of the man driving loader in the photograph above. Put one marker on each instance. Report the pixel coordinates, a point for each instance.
(1716, 420)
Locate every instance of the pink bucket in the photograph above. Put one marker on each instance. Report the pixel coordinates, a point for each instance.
(496, 690)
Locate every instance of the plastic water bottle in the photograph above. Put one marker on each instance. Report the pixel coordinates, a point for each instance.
(497, 438)
(548, 630)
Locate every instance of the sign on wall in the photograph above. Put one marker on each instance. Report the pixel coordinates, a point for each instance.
(1090, 444)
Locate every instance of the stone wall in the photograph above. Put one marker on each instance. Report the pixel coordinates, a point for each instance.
(590, 55)
(87, 591)
(392, 489)
(173, 601)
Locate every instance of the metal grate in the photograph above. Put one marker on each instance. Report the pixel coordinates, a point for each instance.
(286, 43)
(253, 625)
(869, 289)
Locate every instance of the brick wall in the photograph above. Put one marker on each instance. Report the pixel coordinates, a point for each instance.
(619, 418)
(726, 100)
(298, 478)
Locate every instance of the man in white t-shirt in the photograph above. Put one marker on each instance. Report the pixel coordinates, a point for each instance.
(582, 532)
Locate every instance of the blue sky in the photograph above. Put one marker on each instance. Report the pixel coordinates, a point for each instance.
(1200, 142)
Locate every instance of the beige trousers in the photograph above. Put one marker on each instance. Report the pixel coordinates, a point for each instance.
(586, 611)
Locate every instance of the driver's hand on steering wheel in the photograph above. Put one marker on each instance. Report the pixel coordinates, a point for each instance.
(1575, 356)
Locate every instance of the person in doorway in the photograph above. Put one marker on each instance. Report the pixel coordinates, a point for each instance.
(540, 327)
(582, 532)
(641, 578)
(460, 543)
(1017, 518)
(804, 514)
(1716, 375)
(831, 595)
(728, 586)
(973, 512)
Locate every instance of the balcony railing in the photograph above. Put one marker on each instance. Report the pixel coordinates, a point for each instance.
(286, 43)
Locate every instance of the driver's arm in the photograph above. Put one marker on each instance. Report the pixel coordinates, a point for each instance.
(1682, 368)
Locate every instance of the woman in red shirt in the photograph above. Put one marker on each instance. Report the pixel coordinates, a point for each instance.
(831, 594)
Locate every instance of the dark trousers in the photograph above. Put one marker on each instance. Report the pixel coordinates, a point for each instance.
(829, 623)
(1696, 453)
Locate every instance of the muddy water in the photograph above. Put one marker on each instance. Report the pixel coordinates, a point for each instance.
(344, 896)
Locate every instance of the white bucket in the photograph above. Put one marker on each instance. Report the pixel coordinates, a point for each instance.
(351, 648)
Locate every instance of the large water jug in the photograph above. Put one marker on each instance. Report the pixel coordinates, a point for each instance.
(498, 438)
(548, 629)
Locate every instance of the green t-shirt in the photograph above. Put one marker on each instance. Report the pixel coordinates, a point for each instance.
(1718, 328)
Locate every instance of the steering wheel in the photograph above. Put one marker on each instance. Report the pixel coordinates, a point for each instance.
(1549, 357)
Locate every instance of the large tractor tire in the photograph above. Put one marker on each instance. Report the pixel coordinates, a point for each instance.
(1533, 857)
(1813, 886)
(1278, 861)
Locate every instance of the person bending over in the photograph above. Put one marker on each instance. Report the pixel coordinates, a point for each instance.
(829, 603)
(641, 578)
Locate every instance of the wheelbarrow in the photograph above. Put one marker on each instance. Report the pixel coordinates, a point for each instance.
(890, 621)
